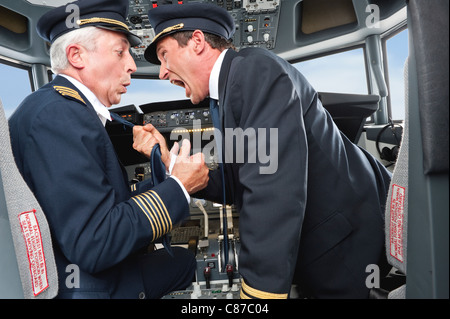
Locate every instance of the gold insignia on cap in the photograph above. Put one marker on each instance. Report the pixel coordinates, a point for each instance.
(102, 20)
(169, 29)
(68, 92)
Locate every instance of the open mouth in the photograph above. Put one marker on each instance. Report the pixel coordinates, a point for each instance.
(178, 83)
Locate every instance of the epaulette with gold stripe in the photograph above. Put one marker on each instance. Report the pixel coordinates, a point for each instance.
(248, 292)
(153, 207)
(69, 93)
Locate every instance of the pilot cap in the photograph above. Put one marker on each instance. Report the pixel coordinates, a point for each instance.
(105, 14)
(171, 18)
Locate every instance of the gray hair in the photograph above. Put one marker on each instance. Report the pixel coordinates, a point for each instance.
(87, 37)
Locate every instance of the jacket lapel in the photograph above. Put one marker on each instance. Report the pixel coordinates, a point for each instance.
(223, 79)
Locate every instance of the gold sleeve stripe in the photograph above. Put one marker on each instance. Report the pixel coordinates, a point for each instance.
(153, 207)
(243, 295)
(138, 202)
(248, 292)
(149, 212)
(161, 205)
(155, 213)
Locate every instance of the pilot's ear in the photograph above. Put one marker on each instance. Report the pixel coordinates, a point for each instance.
(198, 40)
(74, 53)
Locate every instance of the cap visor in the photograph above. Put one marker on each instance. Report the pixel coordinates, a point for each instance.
(150, 54)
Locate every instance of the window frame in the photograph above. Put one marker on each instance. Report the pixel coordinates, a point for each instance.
(22, 66)
(384, 40)
(19, 65)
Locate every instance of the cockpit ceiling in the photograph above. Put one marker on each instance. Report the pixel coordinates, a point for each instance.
(293, 29)
(13, 21)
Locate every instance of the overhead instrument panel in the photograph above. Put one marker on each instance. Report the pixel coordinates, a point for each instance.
(256, 21)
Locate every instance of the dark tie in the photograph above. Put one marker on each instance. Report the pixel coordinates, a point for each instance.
(120, 119)
(214, 110)
(157, 169)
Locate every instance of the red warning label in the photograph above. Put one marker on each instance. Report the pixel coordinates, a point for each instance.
(396, 222)
(35, 251)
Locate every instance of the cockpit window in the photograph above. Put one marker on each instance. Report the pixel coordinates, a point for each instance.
(343, 72)
(397, 52)
(15, 86)
(143, 91)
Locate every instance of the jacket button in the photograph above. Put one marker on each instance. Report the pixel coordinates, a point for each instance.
(142, 295)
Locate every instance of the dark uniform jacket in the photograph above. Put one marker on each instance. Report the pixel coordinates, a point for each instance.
(98, 224)
(321, 211)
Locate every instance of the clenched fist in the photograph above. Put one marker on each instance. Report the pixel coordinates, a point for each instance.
(145, 138)
(190, 170)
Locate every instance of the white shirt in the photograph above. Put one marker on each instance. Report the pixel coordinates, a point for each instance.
(214, 77)
(104, 115)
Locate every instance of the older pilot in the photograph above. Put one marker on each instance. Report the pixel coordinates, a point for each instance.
(66, 157)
